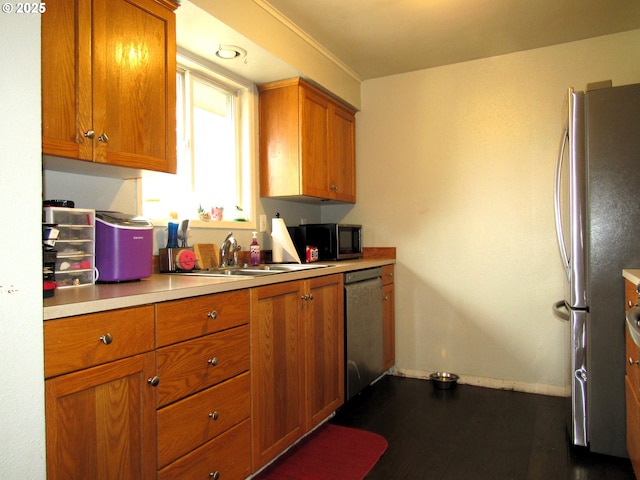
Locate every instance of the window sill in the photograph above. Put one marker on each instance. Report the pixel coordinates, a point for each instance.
(211, 225)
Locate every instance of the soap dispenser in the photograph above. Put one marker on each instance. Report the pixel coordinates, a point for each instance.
(254, 250)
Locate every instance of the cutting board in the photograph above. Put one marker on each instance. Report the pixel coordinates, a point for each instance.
(207, 255)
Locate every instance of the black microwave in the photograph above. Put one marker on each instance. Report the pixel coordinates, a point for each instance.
(334, 241)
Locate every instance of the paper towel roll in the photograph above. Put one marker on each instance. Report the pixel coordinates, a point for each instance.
(282, 248)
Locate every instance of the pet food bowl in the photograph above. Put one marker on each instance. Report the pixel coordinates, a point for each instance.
(444, 380)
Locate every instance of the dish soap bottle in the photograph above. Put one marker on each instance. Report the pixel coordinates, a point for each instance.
(254, 250)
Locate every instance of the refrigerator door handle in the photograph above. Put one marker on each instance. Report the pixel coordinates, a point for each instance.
(560, 310)
(557, 205)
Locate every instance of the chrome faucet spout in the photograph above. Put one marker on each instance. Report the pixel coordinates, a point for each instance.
(229, 244)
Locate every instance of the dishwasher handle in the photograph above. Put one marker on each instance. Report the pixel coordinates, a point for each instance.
(361, 275)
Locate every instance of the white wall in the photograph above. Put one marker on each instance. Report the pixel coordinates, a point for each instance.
(455, 168)
(22, 452)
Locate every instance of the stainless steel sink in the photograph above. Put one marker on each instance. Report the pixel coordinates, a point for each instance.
(285, 267)
(257, 271)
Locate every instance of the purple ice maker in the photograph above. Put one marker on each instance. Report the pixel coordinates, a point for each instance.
(124, 247)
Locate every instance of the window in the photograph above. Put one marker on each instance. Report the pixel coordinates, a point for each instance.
(215, 158)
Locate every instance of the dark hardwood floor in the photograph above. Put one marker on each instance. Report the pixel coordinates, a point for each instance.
(472, 433)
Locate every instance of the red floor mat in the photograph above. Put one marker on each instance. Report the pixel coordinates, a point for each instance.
(332, 452)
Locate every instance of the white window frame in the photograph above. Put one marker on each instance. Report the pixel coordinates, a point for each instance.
(246, 117)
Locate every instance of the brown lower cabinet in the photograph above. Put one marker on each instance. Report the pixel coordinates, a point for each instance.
(118, 406)
(632, 384)
(100, 415)
(204, 393)
(297, 361)
(191, 388)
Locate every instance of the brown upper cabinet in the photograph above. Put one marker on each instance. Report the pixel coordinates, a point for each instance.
(307, 143)
(109, 82)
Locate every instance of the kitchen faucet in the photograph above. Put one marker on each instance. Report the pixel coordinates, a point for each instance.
(229, 243)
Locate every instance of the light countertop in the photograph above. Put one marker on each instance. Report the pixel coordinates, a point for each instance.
(632, 274)
(72, 301)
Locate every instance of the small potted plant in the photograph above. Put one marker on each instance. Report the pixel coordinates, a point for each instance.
(203, 214)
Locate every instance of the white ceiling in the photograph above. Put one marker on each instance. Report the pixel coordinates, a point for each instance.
(202, 34)
(376, 38)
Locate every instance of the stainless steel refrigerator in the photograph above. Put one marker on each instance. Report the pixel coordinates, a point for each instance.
(597, 207)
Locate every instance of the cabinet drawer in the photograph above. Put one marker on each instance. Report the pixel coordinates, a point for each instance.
(632, 367)
(189, 423)
(387, 274)
(78, 342)
(194, 365)
(228, 455)
(194, 317)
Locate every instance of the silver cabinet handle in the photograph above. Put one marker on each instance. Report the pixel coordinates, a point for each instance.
(213, 361)
(213, 415)
(153, 381)
(212, 315)
(633, 362)
(104, 138)
(90, 134)
(214, 475)
(107, 338)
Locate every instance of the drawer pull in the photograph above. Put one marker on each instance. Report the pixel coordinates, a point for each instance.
(107, 338)
(213, 415)
(213, 361)
(215, 475)
(153, 381)
(385, 298)
(632, 362)
(213, 315)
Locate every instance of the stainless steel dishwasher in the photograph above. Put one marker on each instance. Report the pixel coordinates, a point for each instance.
(363, 328)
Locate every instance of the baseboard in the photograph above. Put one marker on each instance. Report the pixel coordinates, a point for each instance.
(496, 383)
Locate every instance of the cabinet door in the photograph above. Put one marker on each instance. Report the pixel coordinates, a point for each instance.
(342, 157)
(66, 79)
(324, 348)
(134, 84)
(276, 369)
(280, 141)
(101, 422)
(314, 148)
(633, 425)
(388, 327)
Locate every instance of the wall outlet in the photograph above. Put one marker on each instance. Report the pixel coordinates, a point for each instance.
(263, 223)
